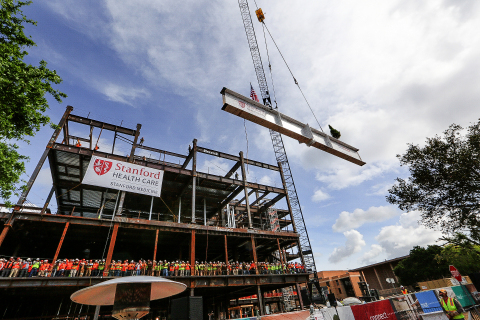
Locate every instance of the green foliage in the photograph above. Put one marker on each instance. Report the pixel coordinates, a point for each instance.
(443, 183)
(22, 93)
(423, 264)
(335, 133)
(466, 258)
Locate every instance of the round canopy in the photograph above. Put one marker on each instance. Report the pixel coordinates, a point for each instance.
(103, 294)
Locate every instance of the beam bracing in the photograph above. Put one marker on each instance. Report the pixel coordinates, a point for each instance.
(232, 171)
(232, 195)
(260, 198)
(100, 124)
(250, 193)
(244, 178)
(49, 197)
(194, 177)
(156, 243)
(60, 243)
(110, 248)
(35, 173)
(280, 252)
(130, 159)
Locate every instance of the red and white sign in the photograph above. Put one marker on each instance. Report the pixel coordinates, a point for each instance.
(119, 175)
(456, 274)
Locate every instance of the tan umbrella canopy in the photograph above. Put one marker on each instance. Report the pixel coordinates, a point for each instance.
(103, 294)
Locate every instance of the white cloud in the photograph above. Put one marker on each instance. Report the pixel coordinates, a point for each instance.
(355, 219)
(320, 196)
(374, 252)
(122, 94)
(397, 240)
(353, 244)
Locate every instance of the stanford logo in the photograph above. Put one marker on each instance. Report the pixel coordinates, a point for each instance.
(241, 103)
(102, 166)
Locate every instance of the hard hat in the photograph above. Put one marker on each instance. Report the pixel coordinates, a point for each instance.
(442, 291)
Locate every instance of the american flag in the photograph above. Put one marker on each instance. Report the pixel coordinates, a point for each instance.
(253, 95)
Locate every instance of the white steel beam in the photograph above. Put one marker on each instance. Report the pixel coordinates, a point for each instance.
(251, 110)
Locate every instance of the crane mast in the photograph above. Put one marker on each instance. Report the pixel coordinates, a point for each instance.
(305, 248)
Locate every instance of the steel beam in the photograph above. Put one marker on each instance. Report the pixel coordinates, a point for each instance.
(249, 109)
(59, 247)
(100, 124)
(254, 252)
(110, 249)
(244, 178)
(156, 243)
(194, 177)
(236, 158)
(192, 253)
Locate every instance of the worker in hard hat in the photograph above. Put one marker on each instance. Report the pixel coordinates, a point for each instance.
(453, 309)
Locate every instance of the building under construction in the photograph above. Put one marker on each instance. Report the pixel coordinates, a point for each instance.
(198, 216)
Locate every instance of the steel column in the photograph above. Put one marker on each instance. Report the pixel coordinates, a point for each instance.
(4, 232)
(299, 295)
(194, 177)
(261, 306)
(97, 312)
(244, 178)
(192, 254)
(204, 211)
(156, 242)
(280, 251)
(60, 243)
(151, 207)
(226, 249)
(254, 251)
(130, 159)
(110, 248)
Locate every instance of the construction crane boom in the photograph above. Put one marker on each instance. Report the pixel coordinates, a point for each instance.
(305, 248)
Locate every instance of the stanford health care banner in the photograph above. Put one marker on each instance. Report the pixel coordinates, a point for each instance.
(113, 174)
(379, 310)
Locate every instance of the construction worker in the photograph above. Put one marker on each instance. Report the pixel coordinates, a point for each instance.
(131, 269)
(101, 268)
(74, 270)
(453, 309)
(8, 267)
(252, 268)
(15, 268)
(68, 267)
(95, 268)
(35, 267)
(24, 269)
(60, 269)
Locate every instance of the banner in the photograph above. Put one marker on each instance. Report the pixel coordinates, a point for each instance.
(428, 301)
(379, 310)
(463, 296)
(119, 175)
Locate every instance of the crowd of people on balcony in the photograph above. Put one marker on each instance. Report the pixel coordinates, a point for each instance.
(18, 267)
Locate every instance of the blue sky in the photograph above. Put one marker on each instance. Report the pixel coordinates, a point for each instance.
(383, 73)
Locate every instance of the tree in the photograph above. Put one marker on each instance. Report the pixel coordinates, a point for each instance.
(444, 183)
(423, 264)
(465, 259)
(22, 94)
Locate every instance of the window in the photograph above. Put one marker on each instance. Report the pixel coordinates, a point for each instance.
(339, 290)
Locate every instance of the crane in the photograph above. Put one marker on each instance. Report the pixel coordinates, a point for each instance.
(305, 248)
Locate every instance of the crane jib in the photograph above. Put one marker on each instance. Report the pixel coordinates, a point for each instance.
(248, 109)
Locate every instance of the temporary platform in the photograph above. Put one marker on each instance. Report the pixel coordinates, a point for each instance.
(198, 216)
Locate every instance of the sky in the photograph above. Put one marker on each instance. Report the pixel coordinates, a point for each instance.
(384, 73)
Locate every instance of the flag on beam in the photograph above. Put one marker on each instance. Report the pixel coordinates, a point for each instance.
(253, 95)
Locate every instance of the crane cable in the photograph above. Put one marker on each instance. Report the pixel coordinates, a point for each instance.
(294, 79)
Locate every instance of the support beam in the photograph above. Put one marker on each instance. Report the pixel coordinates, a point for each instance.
(5, 231)
(250, 193)
(99, 124)
(232, 171)
(249, 109)
(130, 159)
(204, 211)
(59, 247)
(110, 249)
(244, 178)
(280, 252)
(254, 251)
(156, 243)
(226, 249)
(236, 158)
(260, 198)
(192, 253)
(232, 195)
(299, 295)
(261, 306)
(194, 177)
(35, 173)
(49, 197)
